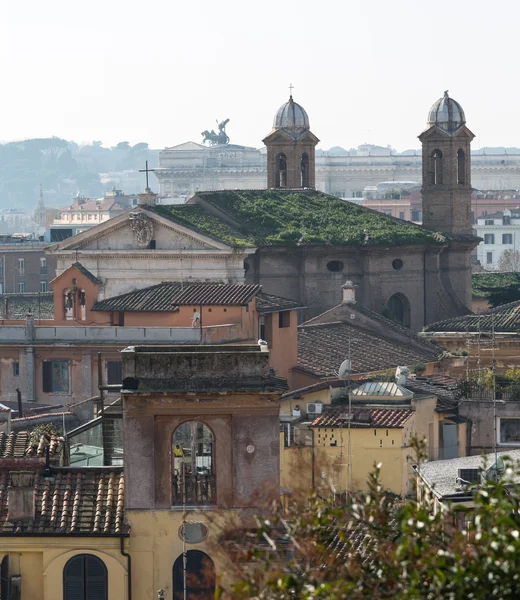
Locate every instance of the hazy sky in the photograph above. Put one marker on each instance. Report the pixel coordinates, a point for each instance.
(162, 71)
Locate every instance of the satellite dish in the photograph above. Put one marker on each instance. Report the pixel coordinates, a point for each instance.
(345, 369)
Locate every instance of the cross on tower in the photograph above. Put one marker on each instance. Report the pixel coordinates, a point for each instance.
(291, 88)
(146, 170)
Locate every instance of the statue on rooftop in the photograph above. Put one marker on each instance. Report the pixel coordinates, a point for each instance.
(216, 139)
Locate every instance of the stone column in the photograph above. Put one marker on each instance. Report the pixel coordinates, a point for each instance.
(86, 376)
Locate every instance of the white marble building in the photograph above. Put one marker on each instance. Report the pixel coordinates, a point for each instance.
(500, 231)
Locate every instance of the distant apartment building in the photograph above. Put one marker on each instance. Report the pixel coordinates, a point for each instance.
(84, 213)
(24, 266)
(499, 231)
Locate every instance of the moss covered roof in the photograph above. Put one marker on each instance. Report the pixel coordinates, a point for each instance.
(290, 218)
(485, 283)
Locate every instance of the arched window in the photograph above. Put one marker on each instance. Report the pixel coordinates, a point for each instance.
(85, 578)
(281, 170)
(461, 167)
(82, 302)
(68, 304)
(197, 575)
(193, 478)
(399, 308)
(304, 167)
(436, 167)
(4, 578)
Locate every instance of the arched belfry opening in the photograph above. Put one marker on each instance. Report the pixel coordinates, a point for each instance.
(461, 166)
(436, 174)
(290, 149)
(304, 167)
(281, 170)
(399, 308)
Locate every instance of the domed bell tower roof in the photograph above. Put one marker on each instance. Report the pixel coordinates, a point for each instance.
(292, 118)
(447, 114)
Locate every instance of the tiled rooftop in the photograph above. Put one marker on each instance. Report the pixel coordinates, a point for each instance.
(19, 306)
(267, 303)
(337, 416)
(20, 444)
(168, 296)
(323, 347)
(84, 271)
(504, 319)
(71, 502)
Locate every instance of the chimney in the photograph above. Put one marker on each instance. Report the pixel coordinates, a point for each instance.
(20, 503)
(349, 292)
(147, 198)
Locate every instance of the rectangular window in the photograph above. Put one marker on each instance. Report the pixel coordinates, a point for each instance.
(489, 258)
(507, 238)
(489, 238)
(509, 431)
(21, 287)
(114, 372)
(506, 220)
(117, 319)
(56, 376)
(16, 368)
(401, 215)
(284, 319)
(43, 266)
(43, 286)
(21, 266)
(489, 222)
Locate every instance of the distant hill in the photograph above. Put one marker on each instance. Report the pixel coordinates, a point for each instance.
(63, 168)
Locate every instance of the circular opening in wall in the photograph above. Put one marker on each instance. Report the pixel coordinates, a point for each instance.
(193, 532)
(397, 263)
(246, 266)
(335, 266)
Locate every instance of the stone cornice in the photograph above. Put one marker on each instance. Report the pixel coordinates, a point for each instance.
(157, 254)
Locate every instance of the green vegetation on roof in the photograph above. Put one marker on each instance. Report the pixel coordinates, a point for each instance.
(291, 218)
(497, 288)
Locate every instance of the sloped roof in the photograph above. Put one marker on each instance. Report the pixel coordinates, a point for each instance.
(337, 416)
(84, 271)
(21, 444)
(168, 296)
(504, 319)
(323, 347)
(267, 303)
(291, 217)
(71, 501)
(381, 388)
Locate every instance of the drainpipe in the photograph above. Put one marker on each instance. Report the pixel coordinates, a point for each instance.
(313, 460)
(424, 288)
(129, 567)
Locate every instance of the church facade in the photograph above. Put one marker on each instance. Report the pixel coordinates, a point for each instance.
(298, 242)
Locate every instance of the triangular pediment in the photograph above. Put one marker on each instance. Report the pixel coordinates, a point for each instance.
(282, 137)
(137, 231)
(187, 146)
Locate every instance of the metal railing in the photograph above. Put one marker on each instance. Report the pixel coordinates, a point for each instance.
(193, 489)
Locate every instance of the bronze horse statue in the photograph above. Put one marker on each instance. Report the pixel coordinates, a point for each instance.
(214, 138)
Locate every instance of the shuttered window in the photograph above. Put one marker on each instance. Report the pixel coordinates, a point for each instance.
(85, 578)
(56, 376)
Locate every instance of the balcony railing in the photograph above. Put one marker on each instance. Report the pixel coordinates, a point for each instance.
(194, 489)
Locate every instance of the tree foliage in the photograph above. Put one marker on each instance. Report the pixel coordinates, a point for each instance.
(375, 546)
(497, 288)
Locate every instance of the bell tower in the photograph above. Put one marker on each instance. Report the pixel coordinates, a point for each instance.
(446, 163)
(290, 149)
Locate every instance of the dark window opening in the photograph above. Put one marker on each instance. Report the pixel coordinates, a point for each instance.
(436, 168)
(281, 171)
(461, 167)
(246, 266)
(152, 245)
(114, 372)
(489, 238)
(284, 319)
(16, 373)
(507, 238)
(55, 375)
(397, 264)
(304, 168)
(197, 576)
(335, 266)
(117, 319)
(399, 309)
(4, 579)
(85, 578)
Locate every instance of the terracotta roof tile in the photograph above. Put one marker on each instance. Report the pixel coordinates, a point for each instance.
(337, 416)
(168, 296)
(323, 347)
(20, 444)
(71, 501)
(266, 303)
(504, 319)
(84, 271)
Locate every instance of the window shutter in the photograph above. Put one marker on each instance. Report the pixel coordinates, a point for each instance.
(96, 578)
(114, 371)
(47, 376)
(74, 578)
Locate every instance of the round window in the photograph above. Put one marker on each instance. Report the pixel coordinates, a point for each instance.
(335, 266)
(193, 532)
(397, 263)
